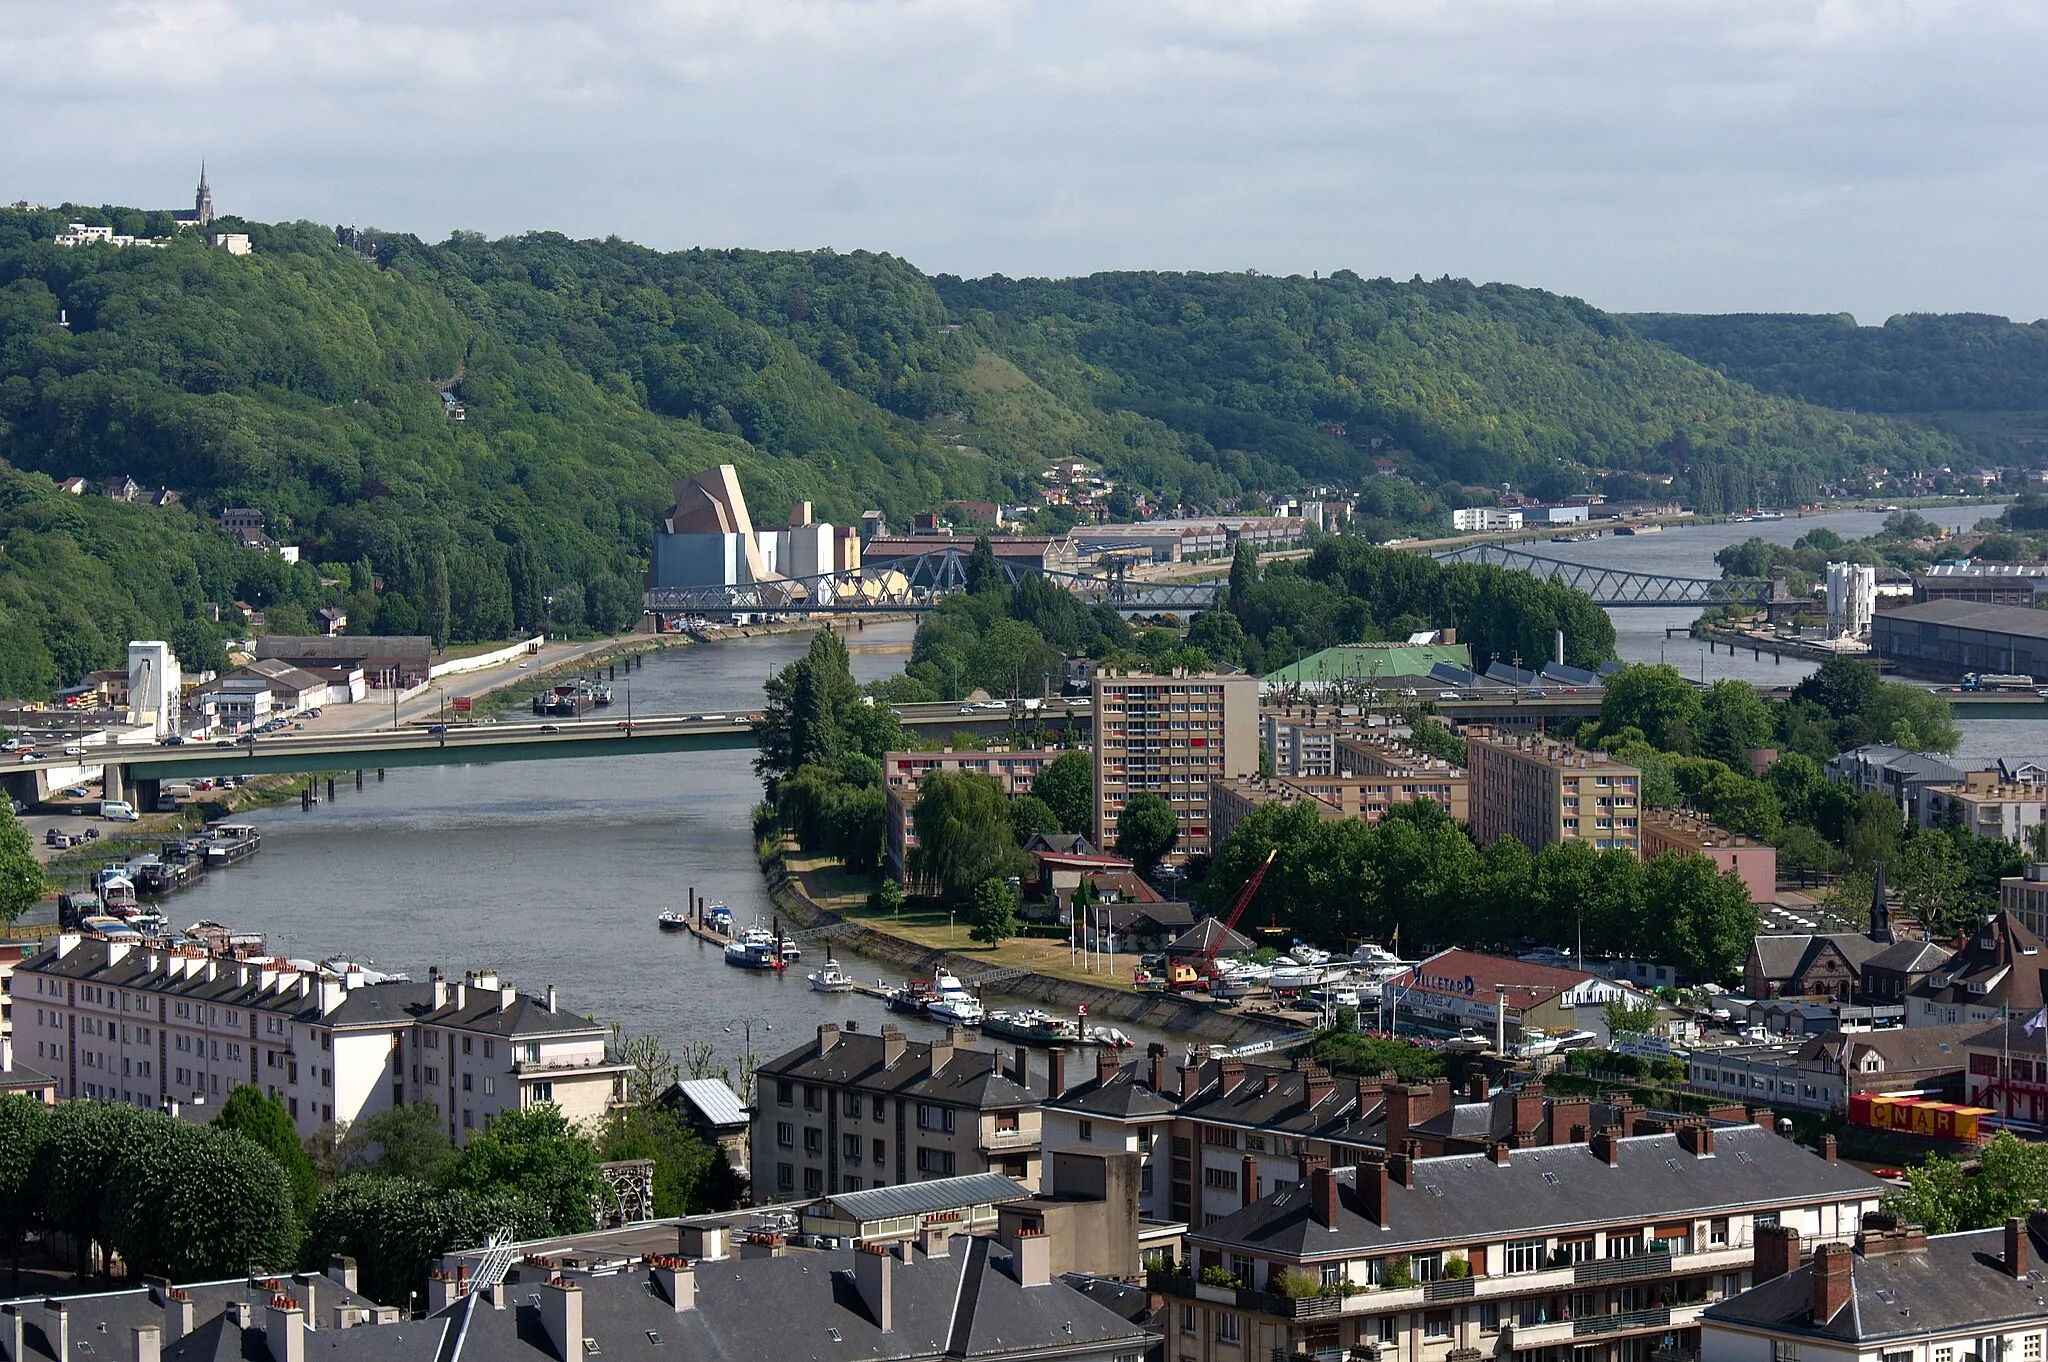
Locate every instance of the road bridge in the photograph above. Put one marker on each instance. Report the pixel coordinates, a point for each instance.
(916, 584)
(1616, 588)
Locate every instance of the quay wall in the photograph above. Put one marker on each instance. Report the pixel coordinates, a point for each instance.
(457, 665)
(1161, 1011)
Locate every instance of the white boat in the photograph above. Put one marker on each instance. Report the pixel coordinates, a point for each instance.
(1232, 986)
(957, 1009)
(744, 954)
(671, 921)
(1306, 955)
(1339, 995)
(829, 978)
(1295, 976)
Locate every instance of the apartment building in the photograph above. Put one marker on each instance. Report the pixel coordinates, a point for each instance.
(1688, 834)
(852, 1110)
(1601, 1251)
(1987, 805)
(1172, 736)
(179, 1030)
(1541, 792)
(902, 771)
(2025, 896)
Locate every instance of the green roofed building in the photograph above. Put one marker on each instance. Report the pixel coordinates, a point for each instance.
(1368, 662)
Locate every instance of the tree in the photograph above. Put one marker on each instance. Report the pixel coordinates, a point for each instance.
(1872, 830)
(1910, 717)
(1733, 721)
(1842, 686)
(984, 572)
(610, 603)
(1244, 571)
(689, 1175)
(1067, 785)
(198, 647)
(2011, 1180)
(396, 1227)
(995, 912)
(86, 1141)
(1030, 815)
(24, 1126)
(963, 832)
(1625, 1017)
(410, 1141)
(536, 1153)
(197, 1203)
(22, 882)
(1704, 917)
(1655, 699)
(1933, 882)
(1146, 829)
(651, 1070)
(264, 1121)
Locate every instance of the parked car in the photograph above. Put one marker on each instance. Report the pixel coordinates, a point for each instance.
(56, 837)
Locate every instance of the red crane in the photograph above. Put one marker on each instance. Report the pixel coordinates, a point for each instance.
(1187, 976)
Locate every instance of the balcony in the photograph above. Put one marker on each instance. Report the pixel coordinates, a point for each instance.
(1451, 1289)
(1624, 1269)
(1658, 1318)
(1001, 1141)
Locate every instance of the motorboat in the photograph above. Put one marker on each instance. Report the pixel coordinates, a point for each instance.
(954, 1004)
(1032, 1026)
(720, 918)
(1107, 1036)
(791, 952)
(1469, 1041)
(911, 998)
(226, 843)
(1226, 986)
(669, 920)
(748, 952)
(829, 978)
(1304, 955)
(1340, 995)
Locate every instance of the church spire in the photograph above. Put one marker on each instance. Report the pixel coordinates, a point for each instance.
(1880, 911)
(202, 201)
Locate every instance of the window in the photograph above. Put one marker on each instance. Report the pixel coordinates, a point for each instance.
(814, 1181)
(1222, 1179)
(783, 1090)
(849, 1148)
(1717, 1231)
(881, 1110)
(1525, 1255)
(1333, 1274)
(1220, 1136)
(1227, 1329)
(2030, 1348)
(1489, 1317)
(785, 1177)
(543, 1092)
(433, 1075)
(881, 1151)
(1625, 1244)
(1144, 1139)
(1187, 1319)
(1087, 1131)
(938, 1161)
(467, 1046)
(465, 1083)
(1785, 1350)
(930, 1117)
(849, 1184)
(1241, 1268)
(814, 1140)
(851, 1103)
(1436, 1324)
(490, 1085)
(785, 1135)
(490, 1049)
(813, 1099)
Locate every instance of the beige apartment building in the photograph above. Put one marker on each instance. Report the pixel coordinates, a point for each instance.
(1172, 736)
(1542, 792)
(852, 1110)
(902, 772)
(179, 1030)
(2025, 896)
(1987, 804)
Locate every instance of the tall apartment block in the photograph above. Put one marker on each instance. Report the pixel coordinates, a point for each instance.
(1171, 736)
(1540, 792)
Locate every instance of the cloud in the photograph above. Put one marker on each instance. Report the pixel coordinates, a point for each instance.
(1872, 155)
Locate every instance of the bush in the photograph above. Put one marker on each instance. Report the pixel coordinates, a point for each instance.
(1293, 1284)
(1219, 1276)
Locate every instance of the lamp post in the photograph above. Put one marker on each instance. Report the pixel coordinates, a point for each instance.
(747, 1059)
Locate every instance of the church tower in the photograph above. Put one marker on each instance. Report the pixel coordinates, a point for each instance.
(202, 202)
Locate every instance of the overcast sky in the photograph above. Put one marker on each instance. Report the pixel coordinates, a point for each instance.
(1872, 156)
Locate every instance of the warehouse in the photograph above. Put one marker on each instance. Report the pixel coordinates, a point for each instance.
(1942, 640)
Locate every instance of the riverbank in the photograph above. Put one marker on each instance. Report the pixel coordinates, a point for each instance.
(1012, 969)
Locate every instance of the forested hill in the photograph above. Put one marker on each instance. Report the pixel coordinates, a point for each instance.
(307, 380)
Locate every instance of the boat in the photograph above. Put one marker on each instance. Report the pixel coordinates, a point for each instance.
(669, 920)
(1341, 995)
(1232, 985)
(829, 978)
(956, 1009)
(720, 918)
(1106, 1036)
(911, 998)
(1469, 1041)
(791, 953)
(226, 843)
(1145, 981)
(1304, 955)
(601, 695)
(745, 954)
(1032, 1026)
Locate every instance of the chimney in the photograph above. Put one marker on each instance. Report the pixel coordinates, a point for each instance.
(1827, 1148)
(1400, 1113)
(1831, 1268)
(874, 1271)
(1498, 1152)
(341, 1270)
(1323, 1188)
(57, 1327)
(551, 998)
(942, 1053)
(1529, 1109)
(1056, 1073)
(507, 996)
(1777, 1253)
(1230, 1074)
(828, 1036)
(676, 1280)
(284, 1330)
(462, 996)
(1697, 1140)
(2016, 1247)
(1401, 1166)
(1607, 1147)
(1475, 1088)
(7, 1054)
(561, 1315)
(1249, 1187)
(893, 1045)
(1373, 1190)
(145, 1344)
(702, 1241)
(1157, 1055)
(1024, 1066)
(1030, 1256)
(440, 989)
(441, 1292)
(1190, 1080)
(177, 1315)
(1319, 1084)
(1765, 1119)
(303, 1286)
(1106, 1065)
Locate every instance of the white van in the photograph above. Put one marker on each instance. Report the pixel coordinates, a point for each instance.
(118, 810)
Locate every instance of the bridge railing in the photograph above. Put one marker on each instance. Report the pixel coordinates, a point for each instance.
(1615, 587)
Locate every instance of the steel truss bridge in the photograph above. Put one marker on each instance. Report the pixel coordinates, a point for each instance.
(1613, 587)
(918, 582)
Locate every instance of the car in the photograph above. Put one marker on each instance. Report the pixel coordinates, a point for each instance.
(965, 709)
(77, 792)
(56, 837)
(313, 713)
(298, 726)
(174, 740)
(223, 742)
(74, 750)
(203, 783)
(27, 757)
(551, 728)
(14, 745)
(990, 704)
(524, 665)
(437, 730)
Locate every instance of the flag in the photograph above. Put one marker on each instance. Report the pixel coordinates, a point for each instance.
(2037, 1022)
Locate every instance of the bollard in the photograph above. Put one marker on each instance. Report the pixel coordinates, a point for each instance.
(380, 773)
(306, 796)
(359, 777)
(330, 789)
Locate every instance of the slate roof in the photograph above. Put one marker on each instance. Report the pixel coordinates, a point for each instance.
(1196, 939)
(1996, 619)
(1124, 1093)
(1909, 957)
(806, 1308)
(922, 1198)
(2001, 964)
(1275, 1098)
(1788, 955)
(1467, 1198)
(105, 1320)
(1957, 1283)
(1902, 1049)
(971, 1078)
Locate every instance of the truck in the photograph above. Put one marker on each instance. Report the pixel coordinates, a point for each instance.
(1995, 681)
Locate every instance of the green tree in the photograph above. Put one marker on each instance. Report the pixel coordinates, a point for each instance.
(984, 572)
(1146, 829)
(963, 832)
(24, 1126)
(537, 1154)
(1706, 919)
(1733, 721)
(1933, 882)
(1657, 700)
(410, 1142)
(86, 1142)
(1842, 686)
(22, 882)
(1067, 786)
(2011, 1179)
(1030, 815)
(1624, 1017)
(610, 603)
(198, 647)
(197, 1203)
(397, 1227)
(264, 1121)
(650, 1068)
(1872, 830)
(995, 912)
(1910, 717)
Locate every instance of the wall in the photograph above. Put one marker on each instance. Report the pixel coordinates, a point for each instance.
(456, 666)
(686, 560)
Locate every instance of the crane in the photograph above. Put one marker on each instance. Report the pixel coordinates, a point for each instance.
(1186, 975)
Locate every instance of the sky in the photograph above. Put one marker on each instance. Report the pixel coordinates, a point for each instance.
(1865, 156)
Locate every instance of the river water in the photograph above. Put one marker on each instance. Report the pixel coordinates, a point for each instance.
(552, 872)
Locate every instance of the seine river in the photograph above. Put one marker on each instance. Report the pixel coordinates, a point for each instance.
(552, 872)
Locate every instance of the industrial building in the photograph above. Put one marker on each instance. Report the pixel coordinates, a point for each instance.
(708, 539)
(1944, 639)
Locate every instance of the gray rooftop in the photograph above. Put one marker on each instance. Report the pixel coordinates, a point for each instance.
(2017, 620)
(719, 1104)
(922, 1198)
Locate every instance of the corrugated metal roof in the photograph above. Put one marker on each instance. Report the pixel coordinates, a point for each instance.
(921, 1198)
(720, 1104)
(1364, 661)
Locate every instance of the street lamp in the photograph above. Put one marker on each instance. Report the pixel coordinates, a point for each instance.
(747, 1059)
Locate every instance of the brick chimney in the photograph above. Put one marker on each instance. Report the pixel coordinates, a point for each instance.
(1374, 1190)
(893, 1045)
(1155, 1054)
(1831, 1269)
(1248, 1186)
(1607, 1147)
(1319, 1084)
(1697, 1140)
(1765, 1118)
(1230, 1074)
(676, 1280)
(2016, 1247)
(1827, 1148)
(1529, 1109)
(1566, 1114)
(942, 1053)
(1498, 1152)
(1023, 1066)
(1056, 1073)
(1475, 1088)
(828, 1036)
(177, 1314)
(1105, 1063)
(1190, 1080)
(1777, 1253)
(561, 1316)
(1323, 1188)
(874, 1274)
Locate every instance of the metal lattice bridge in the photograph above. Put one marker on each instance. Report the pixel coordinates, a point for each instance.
(918, 582)
(1613, 587)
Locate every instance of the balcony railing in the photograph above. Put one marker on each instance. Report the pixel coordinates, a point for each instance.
(1450, 1289)
(1652, 1264)
(1658, 1318)
(1008, 1139)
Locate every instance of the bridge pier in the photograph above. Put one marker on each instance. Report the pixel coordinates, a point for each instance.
(330, 789)
(114, 781)
(147, 792)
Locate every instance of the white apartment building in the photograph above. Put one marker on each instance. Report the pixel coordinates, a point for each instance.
(1485, 518)
(180, 1030)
